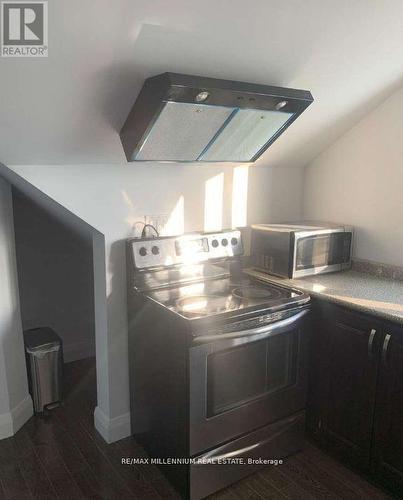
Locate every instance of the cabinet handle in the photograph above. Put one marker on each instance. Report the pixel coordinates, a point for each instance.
(385, 349)
(370, 342)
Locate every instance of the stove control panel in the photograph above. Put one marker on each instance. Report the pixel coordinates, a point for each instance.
(186, 249)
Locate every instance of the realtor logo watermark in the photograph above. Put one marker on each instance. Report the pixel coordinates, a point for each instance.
(24, 29)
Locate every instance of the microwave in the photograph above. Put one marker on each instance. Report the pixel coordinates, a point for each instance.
(301, 249)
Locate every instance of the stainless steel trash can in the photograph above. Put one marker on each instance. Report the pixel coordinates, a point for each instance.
(44, 356)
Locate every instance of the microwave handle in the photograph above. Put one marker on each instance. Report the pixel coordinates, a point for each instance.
(268, 330)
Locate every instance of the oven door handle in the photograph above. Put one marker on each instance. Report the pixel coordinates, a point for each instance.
(271, 329)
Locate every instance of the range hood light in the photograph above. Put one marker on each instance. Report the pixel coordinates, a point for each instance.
(281, 105)
(202, 96)
(185, 118)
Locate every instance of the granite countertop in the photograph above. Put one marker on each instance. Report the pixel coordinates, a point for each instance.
(365, 292)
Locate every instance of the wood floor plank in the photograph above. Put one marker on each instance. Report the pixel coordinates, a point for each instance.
(129, 448)
(226, 494)
(33, 472)
(294, 492)
(243, 491)
(129, 473)
(89, 487)
(290, 488)
(86, 481)
(12, 482)
(359, 484)
(263, 489)
(138, 487)
(134, 482)
(338, 487)
(113, 486)
(56, 469)
(273, 476)
(309, 482)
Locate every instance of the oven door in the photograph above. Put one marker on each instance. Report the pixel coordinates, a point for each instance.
(246, 379)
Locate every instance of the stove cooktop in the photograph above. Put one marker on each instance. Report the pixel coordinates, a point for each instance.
(218, 296)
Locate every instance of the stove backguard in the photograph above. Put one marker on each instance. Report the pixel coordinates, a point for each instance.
(158, 262)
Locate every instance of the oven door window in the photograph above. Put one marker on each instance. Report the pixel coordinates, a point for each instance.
(322, 250)
(251, 371)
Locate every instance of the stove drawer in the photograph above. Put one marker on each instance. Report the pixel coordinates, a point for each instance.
(240, 384)
(273, 442)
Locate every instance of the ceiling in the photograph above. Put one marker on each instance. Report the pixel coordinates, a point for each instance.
(69, 107)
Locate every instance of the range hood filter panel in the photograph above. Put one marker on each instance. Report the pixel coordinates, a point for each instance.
(182, 131)
(245, 134)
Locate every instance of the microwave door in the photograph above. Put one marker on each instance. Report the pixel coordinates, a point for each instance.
(319, 253)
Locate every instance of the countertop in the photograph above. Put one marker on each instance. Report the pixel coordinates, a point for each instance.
(361, 291)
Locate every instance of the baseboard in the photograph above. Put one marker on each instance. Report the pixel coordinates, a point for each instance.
(6, 425)
(22, 413)
(78, 350)
(12, 421)
(112, 429)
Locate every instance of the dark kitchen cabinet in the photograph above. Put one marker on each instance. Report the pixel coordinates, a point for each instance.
(355, 404)
(347, 361)
(388, 430)
(317, 368)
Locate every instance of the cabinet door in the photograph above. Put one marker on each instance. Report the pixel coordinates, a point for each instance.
(353, 359)
(318, 369)
(388, 436)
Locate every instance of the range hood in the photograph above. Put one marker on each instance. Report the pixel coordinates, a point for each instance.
(183, 118)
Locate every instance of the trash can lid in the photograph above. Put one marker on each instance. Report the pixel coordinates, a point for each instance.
(41, 338)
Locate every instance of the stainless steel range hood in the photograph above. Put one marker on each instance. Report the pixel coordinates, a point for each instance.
(182, 118)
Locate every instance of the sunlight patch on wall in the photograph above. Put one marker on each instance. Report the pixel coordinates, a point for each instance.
(176, 222)
(131, 219)
(213, 203)
(240, 196)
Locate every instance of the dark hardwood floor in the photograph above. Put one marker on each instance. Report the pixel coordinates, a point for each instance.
(62, 456)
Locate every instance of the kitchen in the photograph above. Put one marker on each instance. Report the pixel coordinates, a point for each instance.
(339, 162)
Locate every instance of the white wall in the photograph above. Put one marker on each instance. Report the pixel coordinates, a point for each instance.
(111, 197)
(359, 181)
(15, 402)
(55, 273)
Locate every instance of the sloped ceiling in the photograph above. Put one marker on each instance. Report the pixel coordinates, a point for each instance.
(69, 107)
